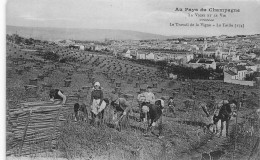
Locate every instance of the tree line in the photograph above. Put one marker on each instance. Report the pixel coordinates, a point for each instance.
(182, 71)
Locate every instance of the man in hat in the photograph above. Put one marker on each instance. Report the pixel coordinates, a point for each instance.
(171, 105)
(121, 107)
(153, 113)
(57, 95)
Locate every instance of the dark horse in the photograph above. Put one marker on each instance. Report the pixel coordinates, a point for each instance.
(224, 114)
(82, 108)
(153, 112)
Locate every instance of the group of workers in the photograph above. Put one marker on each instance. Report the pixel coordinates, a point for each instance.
(121, 105)
(97, 101)
(146, 101)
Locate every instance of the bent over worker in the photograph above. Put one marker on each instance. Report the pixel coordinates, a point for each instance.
(122, 108)
(154, 112)
(57, 95)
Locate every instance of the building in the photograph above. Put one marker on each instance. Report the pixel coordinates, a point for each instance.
(141, 55)
(186, 57)
(161, 57)
(150, 56)
(257, 66)
(241, 72)
(251, 65)
(206, 63)
(126, 53)
(229, 76)
(209, 52)
(222, 37)
(237, 75)
(81, 47)
(222, 54)
(233, 58)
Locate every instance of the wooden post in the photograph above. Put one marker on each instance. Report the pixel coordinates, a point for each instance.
(54, 129)
(236, 131)
(84, 93)
(46, 87)
(129, 81)
(40, 77)
(31, 91)
(113, 80)
(162, 90)
(25, 130)
(19, 71)
(117, 90)
(33, 81)
(160, 125)
(67, 82)
(118, 84)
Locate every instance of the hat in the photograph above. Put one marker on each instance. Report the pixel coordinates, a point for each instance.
(97, 84)
(202, 104)
(114, 97)
(225, 102)
(162, 98)
(149, 87)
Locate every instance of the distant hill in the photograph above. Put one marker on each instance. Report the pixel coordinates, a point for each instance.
(80, 34)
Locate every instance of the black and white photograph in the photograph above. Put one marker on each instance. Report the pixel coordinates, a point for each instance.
(131, 80)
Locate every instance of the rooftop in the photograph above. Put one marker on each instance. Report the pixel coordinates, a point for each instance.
(231, 65)
(207, 61)
(231, 72)
(241, 68)
(249, 69)
(249, 63)
(193, 61)
(210, 50)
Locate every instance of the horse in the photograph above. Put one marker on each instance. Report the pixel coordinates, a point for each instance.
(153, 112)
(223, 113)
(82, 108)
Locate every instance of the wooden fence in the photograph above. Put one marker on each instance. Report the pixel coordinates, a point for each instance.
(35, 127)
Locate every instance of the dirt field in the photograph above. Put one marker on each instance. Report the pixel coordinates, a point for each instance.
(183, 136)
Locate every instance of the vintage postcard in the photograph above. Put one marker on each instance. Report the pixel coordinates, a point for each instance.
(132, 79)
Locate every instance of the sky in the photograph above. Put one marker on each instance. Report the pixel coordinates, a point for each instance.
(152, 16)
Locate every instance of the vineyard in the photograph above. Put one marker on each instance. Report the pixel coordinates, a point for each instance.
(38, 128)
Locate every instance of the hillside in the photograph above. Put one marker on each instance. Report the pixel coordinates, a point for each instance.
(79, 34)
(38, 128)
